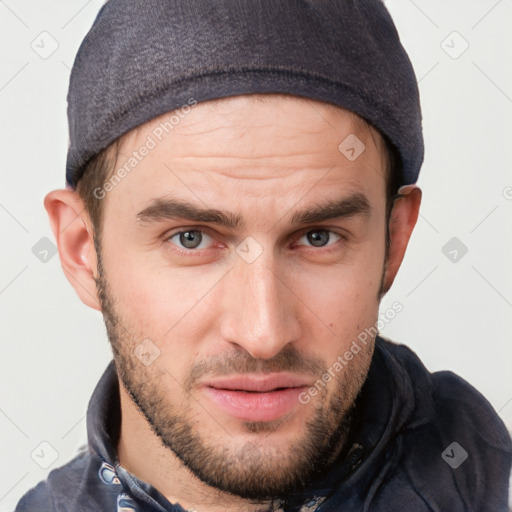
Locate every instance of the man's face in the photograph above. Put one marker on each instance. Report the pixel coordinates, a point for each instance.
(237, 322)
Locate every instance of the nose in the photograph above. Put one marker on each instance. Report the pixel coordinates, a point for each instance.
(259, 307)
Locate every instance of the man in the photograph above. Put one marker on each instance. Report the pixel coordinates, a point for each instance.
(241, 192)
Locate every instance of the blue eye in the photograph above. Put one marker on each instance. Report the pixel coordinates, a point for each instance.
(194, 240)
(190, 239)
(320, 237)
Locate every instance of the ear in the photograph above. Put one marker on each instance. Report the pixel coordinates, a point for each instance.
(401, 224)
(73, 232)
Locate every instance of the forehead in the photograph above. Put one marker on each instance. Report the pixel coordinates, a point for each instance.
(295, 116)
(253, 140)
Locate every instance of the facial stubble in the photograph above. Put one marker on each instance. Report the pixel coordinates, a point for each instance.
(255, 470)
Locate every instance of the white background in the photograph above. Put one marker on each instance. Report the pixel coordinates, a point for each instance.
(456, 316)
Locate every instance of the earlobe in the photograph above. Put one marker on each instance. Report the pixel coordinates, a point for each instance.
(401, 224)
(73, 233)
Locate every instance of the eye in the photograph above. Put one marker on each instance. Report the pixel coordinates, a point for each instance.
(190, 239)
(321, 237)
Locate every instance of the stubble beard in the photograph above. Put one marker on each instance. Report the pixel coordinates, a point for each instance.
(253, 470)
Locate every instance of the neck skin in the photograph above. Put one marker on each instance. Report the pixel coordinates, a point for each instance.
(141, 452)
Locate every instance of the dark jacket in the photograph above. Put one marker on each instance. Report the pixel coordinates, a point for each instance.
(420, 442)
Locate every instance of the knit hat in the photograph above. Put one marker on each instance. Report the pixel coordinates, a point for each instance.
(143, 58)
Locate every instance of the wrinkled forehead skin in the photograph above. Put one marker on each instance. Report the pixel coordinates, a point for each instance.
(264, 150)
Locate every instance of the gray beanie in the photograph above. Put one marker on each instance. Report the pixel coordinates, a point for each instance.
(143, 58)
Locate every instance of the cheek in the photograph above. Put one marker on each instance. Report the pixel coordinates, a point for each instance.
(161, 302)
(341, 297)
(350, 304)
(346, 286)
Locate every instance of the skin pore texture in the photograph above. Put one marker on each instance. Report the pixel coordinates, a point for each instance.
(271, 295)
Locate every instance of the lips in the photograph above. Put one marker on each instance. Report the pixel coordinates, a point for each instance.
(258, 383)
(255, 398)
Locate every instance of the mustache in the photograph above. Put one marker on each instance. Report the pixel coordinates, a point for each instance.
(287, 360)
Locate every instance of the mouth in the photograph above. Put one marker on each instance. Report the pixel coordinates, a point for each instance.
(256, 398)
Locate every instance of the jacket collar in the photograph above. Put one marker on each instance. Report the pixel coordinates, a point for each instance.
(104, 416)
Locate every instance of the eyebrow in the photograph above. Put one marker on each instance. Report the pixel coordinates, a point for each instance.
(161, 209)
